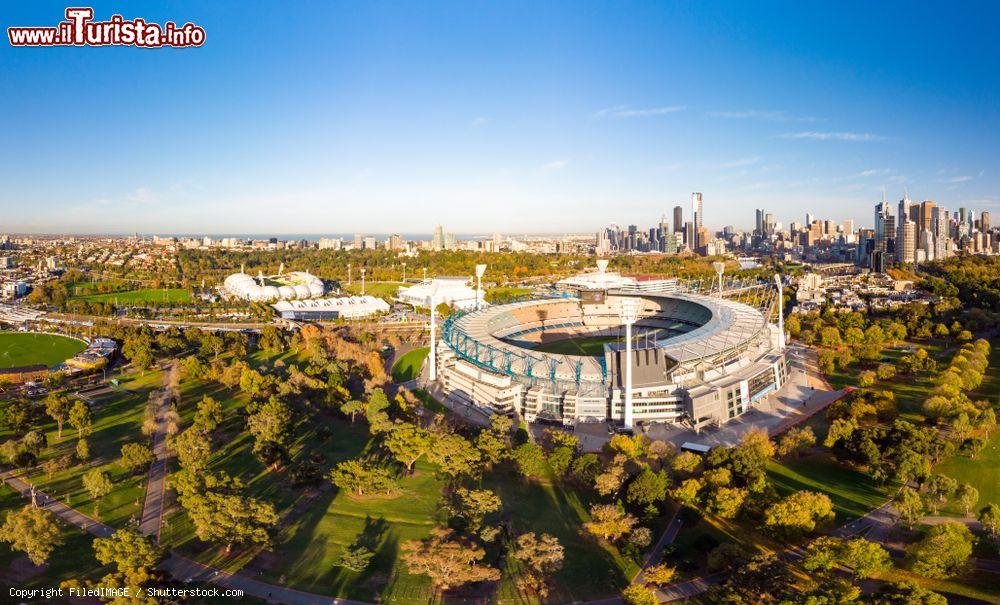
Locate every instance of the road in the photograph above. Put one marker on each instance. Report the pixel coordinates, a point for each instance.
(152, 508)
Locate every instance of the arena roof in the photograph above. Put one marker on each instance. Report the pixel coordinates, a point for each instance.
(720, 325)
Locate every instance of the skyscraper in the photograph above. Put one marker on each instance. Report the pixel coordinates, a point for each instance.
(926, 214)
(678, 219)
(697, 210)
(438, 243)
(883, 231)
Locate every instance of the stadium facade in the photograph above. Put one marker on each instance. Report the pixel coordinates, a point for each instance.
(283, 286)
(699, 357)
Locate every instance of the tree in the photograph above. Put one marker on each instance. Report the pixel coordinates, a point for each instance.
(866, 378)
(726, 502)
(271, 422)
(943, 552)
(356, 558)
(885, 371)
(863, 557)
(908, 593)
(632, 447)
(530, 459)
(659, 575)
(33, 531)
(455, 455)
(540, 558)
(940, 489)
(474, 504)
(648, 488)
(609, 522)
(220, 513)
(447, 560)
(209, 414)
(361, 476)
(967, 496)
(18, 415)
(686, 463)
(796, 440)
(139, 350)
(137, 457)
(798, 513)
(81, 418)
(909, 504)
(830, 337)
(407, 443)
(352, 407)
(636, 594)
(57, 406)
(128, 550)
(989, 516)
(98, 483)
(82, 450)
(193, 449)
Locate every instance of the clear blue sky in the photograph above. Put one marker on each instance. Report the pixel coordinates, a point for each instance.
(517, 117)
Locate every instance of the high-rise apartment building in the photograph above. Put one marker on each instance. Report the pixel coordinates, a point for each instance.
(438, 242)
(697, 209)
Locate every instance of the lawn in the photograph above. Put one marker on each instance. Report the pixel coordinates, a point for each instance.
(28, 348)
(408, 366)
(117, 420)
(590, 570)
(589, 347)
(317, 524)
(135, 297)
(380, 289)
(853, 493)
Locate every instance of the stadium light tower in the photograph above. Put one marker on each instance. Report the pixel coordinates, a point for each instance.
(781, 312)
(720, 268)
(628, 313)
(404, 273)
(348, 274)
(433, 303)
(363, 271)
(480, 269)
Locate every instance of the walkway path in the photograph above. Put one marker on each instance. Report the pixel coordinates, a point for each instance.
(152, 509)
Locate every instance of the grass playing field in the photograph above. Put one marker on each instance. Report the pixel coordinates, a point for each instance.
(589, 347)
(131, 297)
(408, 366)
(27, 348)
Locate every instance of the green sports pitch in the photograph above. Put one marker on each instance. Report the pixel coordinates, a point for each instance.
(28, 348)
(132, 297)
(588, 347)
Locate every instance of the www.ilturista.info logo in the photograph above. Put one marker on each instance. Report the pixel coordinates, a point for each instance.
(79, 29)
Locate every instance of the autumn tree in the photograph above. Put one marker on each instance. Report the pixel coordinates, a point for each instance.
(609, 522)
(798, 513)
(943, 552)
(540, 558)
(447, 560)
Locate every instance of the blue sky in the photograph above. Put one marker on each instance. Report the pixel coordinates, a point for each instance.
(518, 117)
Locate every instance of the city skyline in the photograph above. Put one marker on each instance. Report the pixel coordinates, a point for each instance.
(553, 119)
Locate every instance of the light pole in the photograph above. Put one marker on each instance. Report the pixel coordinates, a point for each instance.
(363, 270)
(719, 268)
(480, 269)
(425, 273)
(433, 302)
(628, 313)
(781, 313)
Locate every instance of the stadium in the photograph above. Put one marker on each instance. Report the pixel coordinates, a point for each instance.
(295, 285)
(701, 354)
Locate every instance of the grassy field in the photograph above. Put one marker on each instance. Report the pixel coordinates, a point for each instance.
(589, 347)
(853, 493)
(408, 366)
(26, 348)
(117, 420)
(590, 570)
(380, 289)
(135, 297)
